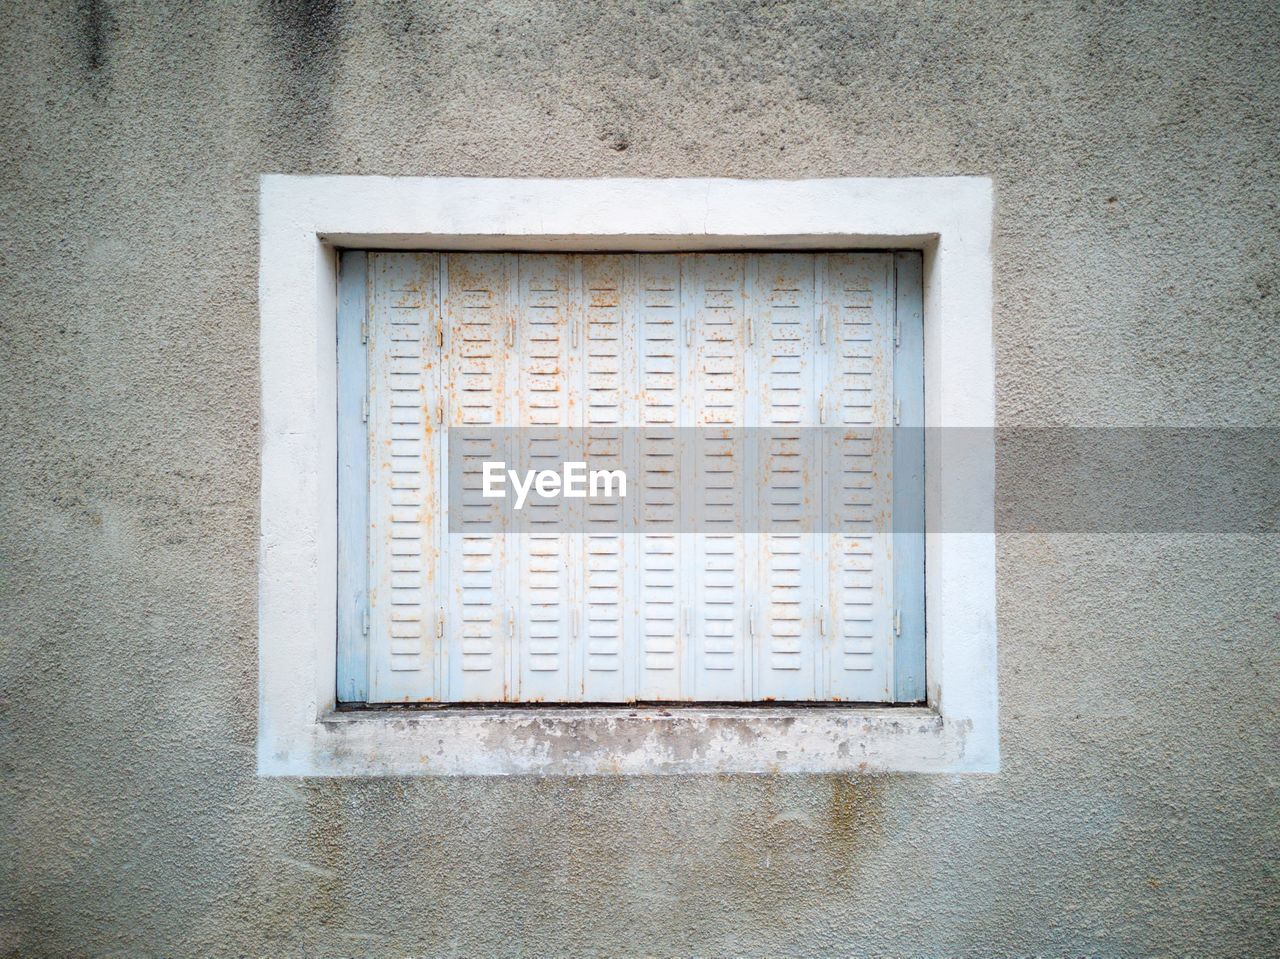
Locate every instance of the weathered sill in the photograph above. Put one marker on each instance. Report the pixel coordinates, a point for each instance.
(635, 707)
(667, 739)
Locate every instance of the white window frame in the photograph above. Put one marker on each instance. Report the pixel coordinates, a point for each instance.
(304, 220)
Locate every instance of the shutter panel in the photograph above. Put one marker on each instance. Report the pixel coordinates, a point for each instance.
(908, 479)
(716, 336)
(859, 314)
(787, 349)
(545, 603)
(478, 293)
(404, 458)
(608, 387)
(660, 580)
(354, 435)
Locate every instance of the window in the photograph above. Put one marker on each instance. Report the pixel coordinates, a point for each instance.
(735, 391)
(306, 568)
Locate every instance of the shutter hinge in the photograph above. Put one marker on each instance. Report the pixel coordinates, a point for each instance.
(751, 331)
(364, 622)
(364, 409)
(897, 412)
(822, 621)
(751, 622)
(439, 335)
(440, 413)
(822, 409)
(897, 622)
(440, 623)
(364, 331)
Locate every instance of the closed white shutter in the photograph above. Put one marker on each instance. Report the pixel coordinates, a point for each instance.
(789, 352)
(544, 603)
(662, 596)
(858, 308)
(610, 623)
(405, 521)
(478, 292)
(723, 590)
(714, 291)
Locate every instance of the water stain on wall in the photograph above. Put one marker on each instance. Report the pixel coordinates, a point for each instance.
(95, 25)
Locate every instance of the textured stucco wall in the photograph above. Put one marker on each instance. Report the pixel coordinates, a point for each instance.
(1134, 152)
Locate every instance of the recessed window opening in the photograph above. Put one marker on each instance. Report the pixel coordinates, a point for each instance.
(763, 410)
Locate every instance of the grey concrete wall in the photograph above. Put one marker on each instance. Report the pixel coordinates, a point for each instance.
(1134, 151)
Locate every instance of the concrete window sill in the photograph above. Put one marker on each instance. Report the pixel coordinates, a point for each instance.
(636, 740)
